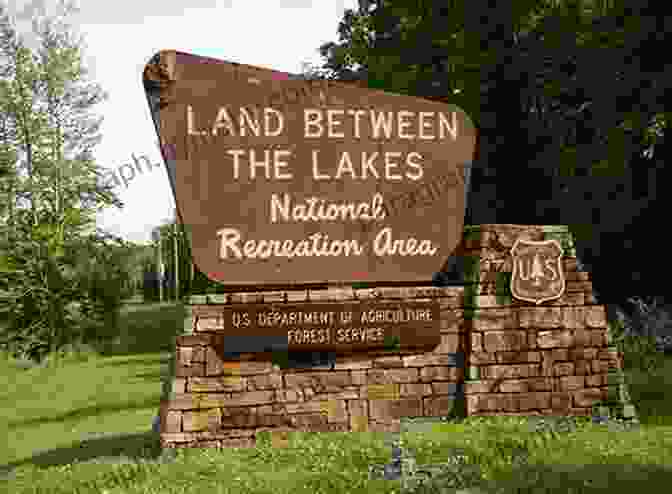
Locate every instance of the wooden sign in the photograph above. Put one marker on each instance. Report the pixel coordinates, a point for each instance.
(343, 327)
(285, 181)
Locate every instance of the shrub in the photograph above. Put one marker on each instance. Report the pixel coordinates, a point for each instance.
(60, 292)
(639, 352)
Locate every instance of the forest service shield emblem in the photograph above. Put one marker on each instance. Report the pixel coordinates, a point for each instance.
(537, 270)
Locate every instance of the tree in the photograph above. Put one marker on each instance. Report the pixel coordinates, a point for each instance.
(50, 180)
(567, 96)
(104, 282)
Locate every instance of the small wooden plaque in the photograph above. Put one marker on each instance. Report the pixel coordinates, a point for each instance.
(327, 327)
(383, 391)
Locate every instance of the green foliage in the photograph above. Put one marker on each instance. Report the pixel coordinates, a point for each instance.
(104, 278)
(639, 351)
(539, 80)
(62, 293)
(57, 278)
(41, 289)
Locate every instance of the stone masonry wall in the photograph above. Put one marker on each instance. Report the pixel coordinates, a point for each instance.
(223, 403)
(551, 359)
(518, 359)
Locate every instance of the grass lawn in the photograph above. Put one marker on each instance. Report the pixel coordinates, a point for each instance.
(83, 427)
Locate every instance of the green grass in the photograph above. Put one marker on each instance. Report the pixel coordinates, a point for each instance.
(82, 427)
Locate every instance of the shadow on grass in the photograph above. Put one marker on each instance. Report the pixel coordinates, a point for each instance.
(150, 376)
(117, 447)
(143, 360)
(587, 478)
(82, 413)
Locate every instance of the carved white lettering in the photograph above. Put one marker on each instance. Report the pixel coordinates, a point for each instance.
(366, 166)
(382, 124)
(314, 210)
(319, 245)
(277, 162)
(384, 245)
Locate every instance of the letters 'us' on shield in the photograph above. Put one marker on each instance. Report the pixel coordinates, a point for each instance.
(537, 270)
(282, 180)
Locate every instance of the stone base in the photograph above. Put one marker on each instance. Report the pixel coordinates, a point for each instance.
(497, 356)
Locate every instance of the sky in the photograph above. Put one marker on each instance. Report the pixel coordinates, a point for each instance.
(122, 35)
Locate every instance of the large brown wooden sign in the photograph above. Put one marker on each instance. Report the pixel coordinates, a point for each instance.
(287, 181)
(324, 327)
